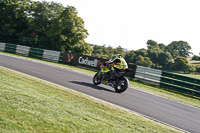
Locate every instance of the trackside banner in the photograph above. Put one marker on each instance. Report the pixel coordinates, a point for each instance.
(82, 60)
(89, 62)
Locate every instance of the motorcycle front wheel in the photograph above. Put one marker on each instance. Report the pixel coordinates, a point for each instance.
(122, 85)
(96, 79)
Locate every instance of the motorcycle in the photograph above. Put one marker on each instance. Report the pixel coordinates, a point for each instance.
(120, 83)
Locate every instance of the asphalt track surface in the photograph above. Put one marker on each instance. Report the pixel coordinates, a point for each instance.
(161, 109)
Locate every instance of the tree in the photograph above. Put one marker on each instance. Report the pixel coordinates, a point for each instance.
(147, 62)
(180, 63)
(164, 60)
(153, 54)
(191, 68)
(109, 52)
(102, 51)
(152, 44)
(42, 27)
(197, 68)
(139, 60)
(142, 52)
(119, 50)
(6, 1)
(143, 61)
(13, 19)
(46, 25)
(83, 48)
(153, 51)
(179, 48)
(73, 32)
(195, 57)
(162, 46)
(129, 57)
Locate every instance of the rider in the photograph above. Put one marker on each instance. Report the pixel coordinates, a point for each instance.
(119, 63)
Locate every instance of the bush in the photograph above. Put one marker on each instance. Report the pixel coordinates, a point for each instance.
(197, 68)
(195, 57)
(191, 68)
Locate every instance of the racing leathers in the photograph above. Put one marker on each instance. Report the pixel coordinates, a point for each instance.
(118, 64)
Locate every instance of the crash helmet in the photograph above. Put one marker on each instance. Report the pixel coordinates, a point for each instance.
(117, 56)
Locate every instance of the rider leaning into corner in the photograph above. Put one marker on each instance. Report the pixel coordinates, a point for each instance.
(119, 63)
(113, 73)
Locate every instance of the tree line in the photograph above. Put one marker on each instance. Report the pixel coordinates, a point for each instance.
(50, 25)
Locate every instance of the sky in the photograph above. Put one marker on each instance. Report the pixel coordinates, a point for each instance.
(131, 23)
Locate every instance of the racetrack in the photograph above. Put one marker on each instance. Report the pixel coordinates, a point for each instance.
(170, 112)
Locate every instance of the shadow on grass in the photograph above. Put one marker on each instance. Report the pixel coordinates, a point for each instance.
(91, 86)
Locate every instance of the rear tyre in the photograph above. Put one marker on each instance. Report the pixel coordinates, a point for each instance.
(96, 79)
(122, 86)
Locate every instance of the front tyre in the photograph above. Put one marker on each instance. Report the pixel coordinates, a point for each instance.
(122, 85)
(96, 79)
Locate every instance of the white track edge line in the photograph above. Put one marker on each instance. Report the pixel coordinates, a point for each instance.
(106, 102)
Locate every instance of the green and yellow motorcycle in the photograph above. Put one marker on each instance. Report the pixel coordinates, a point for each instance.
(120, 83)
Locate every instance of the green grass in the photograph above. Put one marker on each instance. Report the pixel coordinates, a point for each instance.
(194, 62)
(29, 104)
(197, 76)
(193, 101)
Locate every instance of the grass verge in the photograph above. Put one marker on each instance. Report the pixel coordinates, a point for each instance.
(193, 101)
(29, 104)
(169, 94)
(194, 62)
(197, 76)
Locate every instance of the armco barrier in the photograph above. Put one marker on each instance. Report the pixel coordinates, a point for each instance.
(148, 75)
(36, 53)
(2, 46)
(22, 50)
(61, 56)
(50, 55)
(180, 77)
(180, 83)
(168, 80)
(10, 48)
